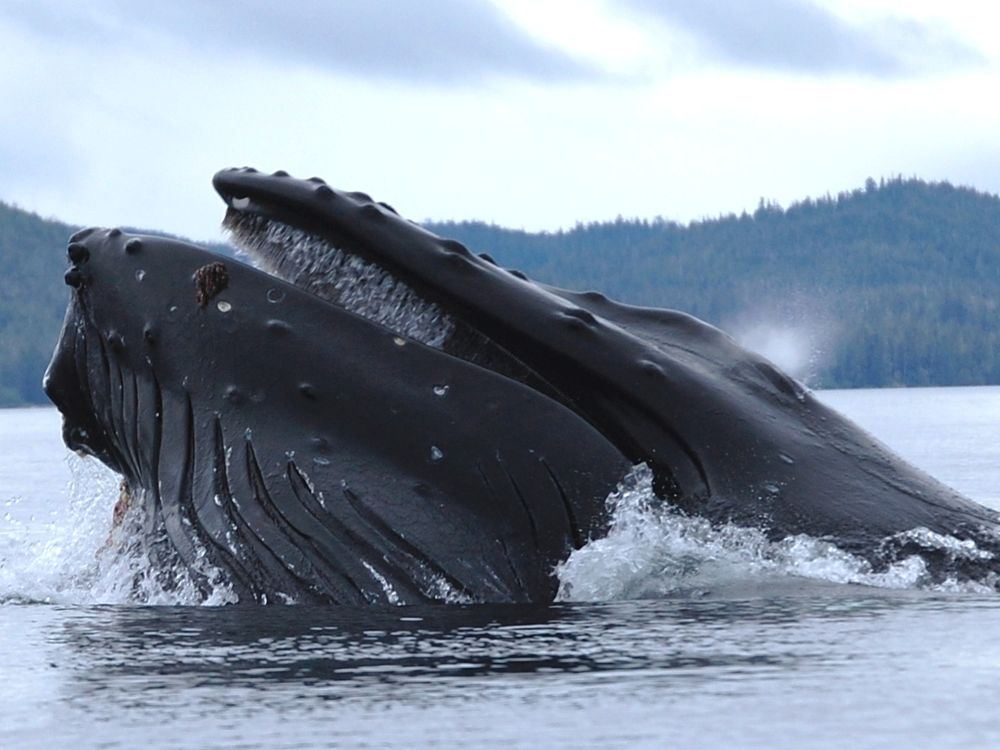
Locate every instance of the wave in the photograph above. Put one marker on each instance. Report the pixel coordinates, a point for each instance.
(652, 550)
(83, 557)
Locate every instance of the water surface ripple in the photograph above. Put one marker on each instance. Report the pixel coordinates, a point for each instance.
(756, 662)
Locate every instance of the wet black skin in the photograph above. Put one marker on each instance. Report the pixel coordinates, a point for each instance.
(729, 436)
(310, 400)
(310, 454)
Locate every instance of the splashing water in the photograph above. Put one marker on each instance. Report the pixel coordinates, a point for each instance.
(82, 557)
(55, 561)
(650, 551)
(654, 551)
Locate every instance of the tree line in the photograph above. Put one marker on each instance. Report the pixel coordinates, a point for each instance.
(895, 283)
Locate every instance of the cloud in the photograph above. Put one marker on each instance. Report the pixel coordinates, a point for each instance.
(801, 37)
(436, 41)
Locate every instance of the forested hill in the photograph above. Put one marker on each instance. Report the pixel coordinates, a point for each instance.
(32, 300)
(896, 283)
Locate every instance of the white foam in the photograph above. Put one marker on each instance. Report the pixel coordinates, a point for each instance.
(81, 557)
(652, 551)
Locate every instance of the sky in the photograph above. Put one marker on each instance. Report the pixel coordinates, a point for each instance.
(533, 114)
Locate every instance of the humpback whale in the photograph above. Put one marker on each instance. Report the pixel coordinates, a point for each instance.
(376, 415)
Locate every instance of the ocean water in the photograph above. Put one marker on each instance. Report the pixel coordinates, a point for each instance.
(671, 633)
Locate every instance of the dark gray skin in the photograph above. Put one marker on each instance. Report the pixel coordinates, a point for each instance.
(316, 455)
(728, 436)
(309, 454)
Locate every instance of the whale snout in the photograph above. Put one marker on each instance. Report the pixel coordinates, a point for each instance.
(66, 381)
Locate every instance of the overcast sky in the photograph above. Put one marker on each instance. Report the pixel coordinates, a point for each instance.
(528, 113)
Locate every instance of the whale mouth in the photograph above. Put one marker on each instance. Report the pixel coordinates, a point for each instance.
(331, 263)
(333, 272)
